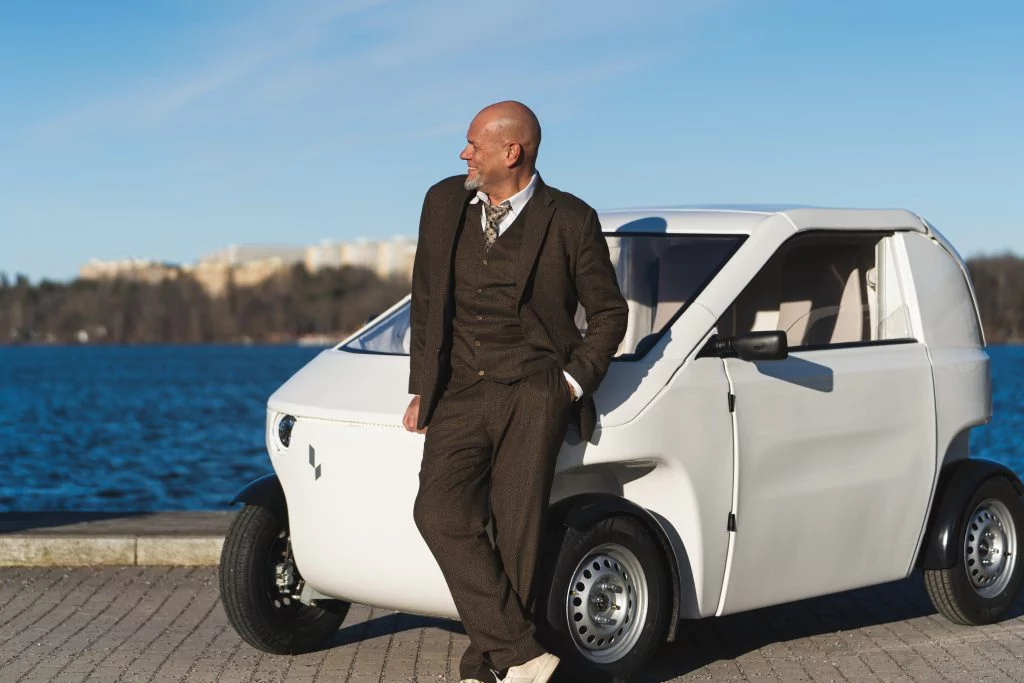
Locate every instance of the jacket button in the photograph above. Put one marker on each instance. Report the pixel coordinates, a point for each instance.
(485, 262)
(476, 343)
(481, 373)
(479, 291)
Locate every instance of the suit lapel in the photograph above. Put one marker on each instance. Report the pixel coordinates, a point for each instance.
(535, 227)
(450, 219)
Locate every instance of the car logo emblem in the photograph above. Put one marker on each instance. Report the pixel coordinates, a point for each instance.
(312, 463)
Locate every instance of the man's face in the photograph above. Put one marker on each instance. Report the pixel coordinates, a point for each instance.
(484, 155)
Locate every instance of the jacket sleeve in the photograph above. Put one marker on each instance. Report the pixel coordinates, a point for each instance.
(418, 306)
(605, 307)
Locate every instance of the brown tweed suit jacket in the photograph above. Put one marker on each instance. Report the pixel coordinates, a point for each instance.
(563, 262)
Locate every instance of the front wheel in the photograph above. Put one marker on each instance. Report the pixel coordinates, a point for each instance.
(260, 587)
(986, 579)
(608, 606)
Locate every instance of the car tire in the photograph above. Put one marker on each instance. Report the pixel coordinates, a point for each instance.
(983, 584)
(266, 614)
(614, 569)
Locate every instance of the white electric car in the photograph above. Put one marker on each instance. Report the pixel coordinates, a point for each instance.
(788, 416)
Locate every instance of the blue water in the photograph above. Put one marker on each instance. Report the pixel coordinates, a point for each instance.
(1003, 438)
(181, 428)
(135, 428)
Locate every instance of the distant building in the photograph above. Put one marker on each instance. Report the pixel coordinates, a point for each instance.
(395, 257)
(244, 264)
(136, 270)
(388, 258)
(250, 264)
(324, 255)
(239, 254)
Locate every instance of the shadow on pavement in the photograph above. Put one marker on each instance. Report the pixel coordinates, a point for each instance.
(389, 624)
(702, 642)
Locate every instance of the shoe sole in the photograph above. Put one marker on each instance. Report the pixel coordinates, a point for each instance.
(546, 672)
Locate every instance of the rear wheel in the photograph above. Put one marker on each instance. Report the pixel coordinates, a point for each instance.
(608, 607)
(260, 587)
(983, 584)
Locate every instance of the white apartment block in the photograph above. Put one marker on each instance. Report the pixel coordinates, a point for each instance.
(387, 258)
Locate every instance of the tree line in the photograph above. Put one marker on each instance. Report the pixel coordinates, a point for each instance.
(331, 302)
(290, 304)
(999, 286)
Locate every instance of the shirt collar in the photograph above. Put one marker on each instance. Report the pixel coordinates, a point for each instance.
(518, 200)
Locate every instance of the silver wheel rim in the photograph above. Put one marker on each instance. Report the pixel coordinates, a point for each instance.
(606, 606)
(990, 548)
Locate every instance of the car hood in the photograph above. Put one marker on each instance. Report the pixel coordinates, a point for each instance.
(347, 386)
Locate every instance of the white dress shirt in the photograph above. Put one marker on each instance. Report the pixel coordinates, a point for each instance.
(518, 203)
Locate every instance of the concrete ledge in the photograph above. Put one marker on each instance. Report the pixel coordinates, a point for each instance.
(57, 539)
(49, 551)
(181, 552)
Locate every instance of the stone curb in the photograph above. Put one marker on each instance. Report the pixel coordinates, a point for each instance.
(89, 551)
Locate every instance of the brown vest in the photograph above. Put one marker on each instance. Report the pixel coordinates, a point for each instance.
(487, 339)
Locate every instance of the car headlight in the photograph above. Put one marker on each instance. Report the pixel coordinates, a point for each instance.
(284, 430)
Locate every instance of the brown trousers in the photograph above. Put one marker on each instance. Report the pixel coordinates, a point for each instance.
(489, 456)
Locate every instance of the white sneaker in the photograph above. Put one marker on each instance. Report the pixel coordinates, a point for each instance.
(537, 670)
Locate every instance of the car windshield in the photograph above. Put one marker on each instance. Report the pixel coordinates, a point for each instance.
(390, 335)
(659, 275)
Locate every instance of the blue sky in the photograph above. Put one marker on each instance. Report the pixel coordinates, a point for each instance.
(169, 129)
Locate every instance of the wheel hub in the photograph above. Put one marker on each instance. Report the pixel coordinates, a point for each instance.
(607, 603)
(990, 548)
(286, 585)
(284, 576)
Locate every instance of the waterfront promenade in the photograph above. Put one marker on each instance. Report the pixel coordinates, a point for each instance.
(142, 620)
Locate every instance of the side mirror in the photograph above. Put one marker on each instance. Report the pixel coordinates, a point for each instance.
(750, 346)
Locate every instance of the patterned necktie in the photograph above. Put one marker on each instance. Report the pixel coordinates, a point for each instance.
(494, 216)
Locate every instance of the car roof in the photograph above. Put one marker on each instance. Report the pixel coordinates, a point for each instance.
(745, 219)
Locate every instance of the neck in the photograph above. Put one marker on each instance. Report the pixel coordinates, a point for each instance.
(512, 186)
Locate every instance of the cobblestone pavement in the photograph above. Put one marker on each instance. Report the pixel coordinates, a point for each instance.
(166, 624)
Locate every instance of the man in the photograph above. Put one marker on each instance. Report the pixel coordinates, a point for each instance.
(497, 366)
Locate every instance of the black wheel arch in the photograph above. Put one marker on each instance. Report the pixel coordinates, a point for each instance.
(267, 492)
(958, 481)
(584, 510)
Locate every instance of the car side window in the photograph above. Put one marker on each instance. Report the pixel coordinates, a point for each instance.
(825, 290)
(659, 275)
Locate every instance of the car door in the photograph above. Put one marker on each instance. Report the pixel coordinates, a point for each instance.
(659, 275)
(836, 443)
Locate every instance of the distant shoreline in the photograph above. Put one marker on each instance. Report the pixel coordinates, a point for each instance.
(264, 344)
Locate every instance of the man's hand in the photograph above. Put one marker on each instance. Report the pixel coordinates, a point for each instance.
(412, 416)
(572, 392)
(574, 388)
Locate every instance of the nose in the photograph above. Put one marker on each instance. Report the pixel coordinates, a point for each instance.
(467, 153)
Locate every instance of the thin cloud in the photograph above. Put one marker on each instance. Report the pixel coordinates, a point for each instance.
(429, 58)
(258, 44)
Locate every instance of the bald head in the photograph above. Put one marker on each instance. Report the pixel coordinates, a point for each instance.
(501, 149)
(515, 122)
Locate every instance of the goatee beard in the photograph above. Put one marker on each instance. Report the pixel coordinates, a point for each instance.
(472, 183)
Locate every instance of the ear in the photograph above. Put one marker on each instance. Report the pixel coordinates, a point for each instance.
(513, 154)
